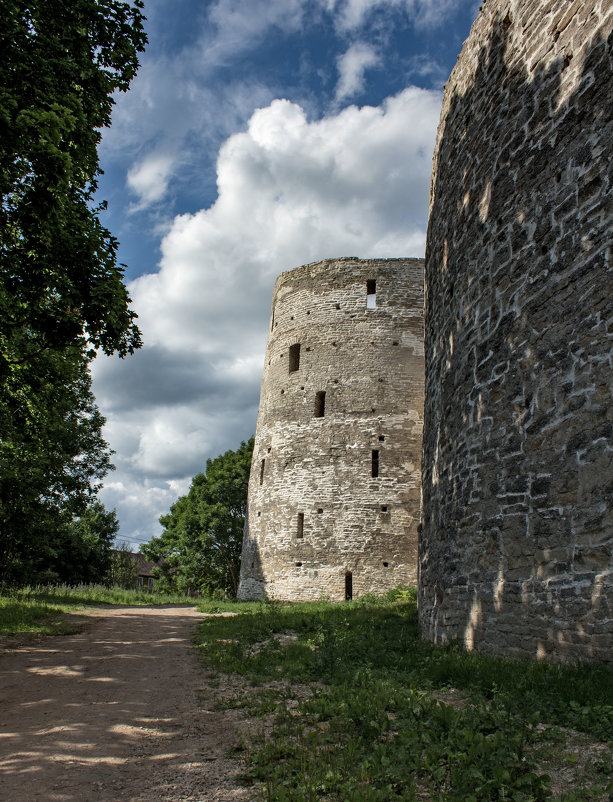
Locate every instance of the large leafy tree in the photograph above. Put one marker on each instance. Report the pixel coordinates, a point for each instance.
(52, 458)
(203, 531)
(61, 289)
(59, 278)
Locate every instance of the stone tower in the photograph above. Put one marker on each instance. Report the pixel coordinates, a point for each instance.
(334, 491)
(516, 552)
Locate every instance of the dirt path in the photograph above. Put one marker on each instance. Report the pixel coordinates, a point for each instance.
(115, 712)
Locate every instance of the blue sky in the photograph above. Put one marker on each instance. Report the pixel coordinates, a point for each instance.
(257, 136)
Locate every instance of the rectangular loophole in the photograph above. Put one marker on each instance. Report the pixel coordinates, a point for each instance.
(374, 463)
(300, 525)
(262, 467)
(371, 294)
(294, 357)
(320, 404)
(348, 586)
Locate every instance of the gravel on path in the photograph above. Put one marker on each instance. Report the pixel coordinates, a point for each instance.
(117, 712)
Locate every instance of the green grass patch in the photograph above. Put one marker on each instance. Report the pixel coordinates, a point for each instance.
(42, 610)
(361, 708)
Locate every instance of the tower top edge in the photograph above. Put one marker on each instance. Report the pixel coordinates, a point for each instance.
(413, 261)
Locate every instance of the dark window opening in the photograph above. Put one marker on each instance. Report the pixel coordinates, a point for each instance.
(320, 404)
(371, 294)
(375, 463)
(262, 466)
(320, 510)
(294, 357)
(395, 342)
(383, 508)
(385, 565)
(348, 586)
(338, 306)
(259, 514)
(298, 565)
(272, 320)
(381, 438)
(300, 527)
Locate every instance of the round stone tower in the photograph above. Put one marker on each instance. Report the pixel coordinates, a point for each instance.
(334, 491)
(516, 552)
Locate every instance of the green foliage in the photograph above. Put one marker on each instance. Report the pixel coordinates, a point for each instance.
(59, 278)
(52, 458)
(366, 710)
(203, 532)
(61, 289)
(121, 572)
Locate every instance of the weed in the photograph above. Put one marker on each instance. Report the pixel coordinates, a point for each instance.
(371, 728)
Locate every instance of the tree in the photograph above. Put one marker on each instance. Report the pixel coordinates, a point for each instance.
(203, 532)
(52, 459)
(59, 278)
(62, 294)
(122, 569)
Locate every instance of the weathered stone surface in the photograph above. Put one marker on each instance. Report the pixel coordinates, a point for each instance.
(516, 550)
(316, 512)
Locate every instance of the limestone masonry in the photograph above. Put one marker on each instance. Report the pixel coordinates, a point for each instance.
(516, 552)
(334, 491)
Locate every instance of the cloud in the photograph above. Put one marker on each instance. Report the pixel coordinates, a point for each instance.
(238, 25)
(351, 15)
(290, 191)
(351, 67)
(149, 179)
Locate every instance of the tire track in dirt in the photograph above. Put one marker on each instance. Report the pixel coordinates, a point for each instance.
(117, 711)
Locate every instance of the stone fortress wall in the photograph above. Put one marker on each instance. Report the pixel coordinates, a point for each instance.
(516, 551)
(334, 492)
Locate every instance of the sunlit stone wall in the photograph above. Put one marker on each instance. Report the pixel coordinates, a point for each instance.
(334, 491)
(517, 541)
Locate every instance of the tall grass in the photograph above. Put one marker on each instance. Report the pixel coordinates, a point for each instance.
(40, 609)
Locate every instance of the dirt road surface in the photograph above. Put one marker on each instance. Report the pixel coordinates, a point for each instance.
(118, 711)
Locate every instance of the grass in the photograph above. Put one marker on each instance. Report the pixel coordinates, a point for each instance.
(355, 706)
(42, 610)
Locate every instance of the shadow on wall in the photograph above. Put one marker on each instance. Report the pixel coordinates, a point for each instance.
(252, 586)
(517, 541)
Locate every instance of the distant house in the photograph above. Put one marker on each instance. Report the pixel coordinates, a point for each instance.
(145, 578)
(132, 570)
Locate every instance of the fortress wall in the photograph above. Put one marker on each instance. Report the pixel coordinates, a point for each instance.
(369, 363)
(516, 552)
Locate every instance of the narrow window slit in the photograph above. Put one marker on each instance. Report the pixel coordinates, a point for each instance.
(371, 294)
(294, 357)
(262, 466)
(300, 526)
(348, 586)
(320, 404)
(375, 463)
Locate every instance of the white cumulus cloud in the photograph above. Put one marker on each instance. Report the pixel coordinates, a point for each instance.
(351, 67)
(149, 179)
